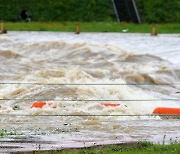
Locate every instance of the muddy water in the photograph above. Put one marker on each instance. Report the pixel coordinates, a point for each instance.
(74, 75)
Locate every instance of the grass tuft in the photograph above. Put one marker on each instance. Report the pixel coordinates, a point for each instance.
(131, 148)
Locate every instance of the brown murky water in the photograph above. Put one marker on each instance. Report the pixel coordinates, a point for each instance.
(75, 75)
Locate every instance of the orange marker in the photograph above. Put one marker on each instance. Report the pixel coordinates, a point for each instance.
(38, 104)
(166, 110)
(110, 104)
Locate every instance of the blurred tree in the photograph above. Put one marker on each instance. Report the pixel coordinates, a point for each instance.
(151, 11)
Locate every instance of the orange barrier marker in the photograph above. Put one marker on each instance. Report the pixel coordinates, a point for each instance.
(38, 104)
(166, 110)
(109, 104)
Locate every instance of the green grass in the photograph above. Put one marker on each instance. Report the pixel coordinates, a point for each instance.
(90, 27)
(134, 148)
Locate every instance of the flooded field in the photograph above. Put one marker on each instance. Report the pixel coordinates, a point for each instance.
(77, 76)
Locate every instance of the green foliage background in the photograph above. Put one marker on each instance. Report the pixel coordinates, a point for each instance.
(151, 11)
(163, 11)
